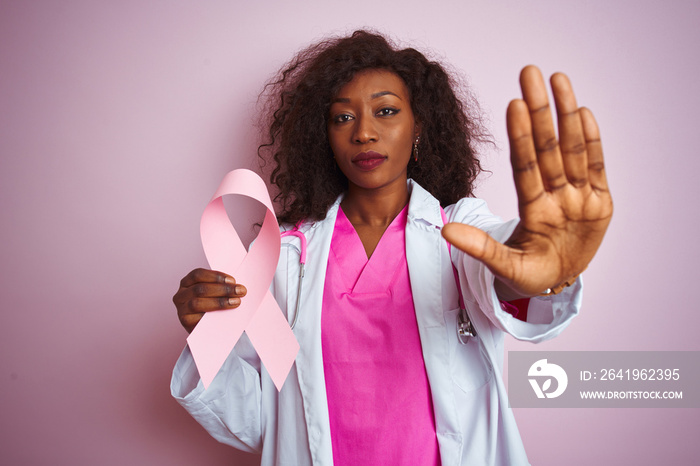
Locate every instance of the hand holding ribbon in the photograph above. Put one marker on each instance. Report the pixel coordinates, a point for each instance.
(258, 314)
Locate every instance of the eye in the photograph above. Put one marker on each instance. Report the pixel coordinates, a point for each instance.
(341, 118)
(387, 111)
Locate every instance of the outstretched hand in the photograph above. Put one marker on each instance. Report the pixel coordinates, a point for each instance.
(563, 198)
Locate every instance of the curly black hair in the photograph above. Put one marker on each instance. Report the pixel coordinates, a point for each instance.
(296, 111)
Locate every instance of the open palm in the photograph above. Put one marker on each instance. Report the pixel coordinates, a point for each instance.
(564, 202)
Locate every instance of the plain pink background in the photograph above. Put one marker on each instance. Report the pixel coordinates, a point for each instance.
(119, 119)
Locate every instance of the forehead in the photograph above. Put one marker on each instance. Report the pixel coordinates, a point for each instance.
(368, 83)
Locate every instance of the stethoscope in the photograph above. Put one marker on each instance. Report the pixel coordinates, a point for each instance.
(465, 328)
(302, 264)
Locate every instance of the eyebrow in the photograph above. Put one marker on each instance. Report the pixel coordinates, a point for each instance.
(376, 95)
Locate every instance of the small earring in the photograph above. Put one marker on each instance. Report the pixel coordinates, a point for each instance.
(415, 149)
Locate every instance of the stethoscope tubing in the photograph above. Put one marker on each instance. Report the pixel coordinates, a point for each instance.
(302, 266)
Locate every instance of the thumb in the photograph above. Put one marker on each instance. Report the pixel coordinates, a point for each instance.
(481, 246)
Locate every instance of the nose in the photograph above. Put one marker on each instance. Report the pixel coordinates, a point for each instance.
(365, 131)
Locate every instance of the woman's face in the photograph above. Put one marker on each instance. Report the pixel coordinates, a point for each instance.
(371, 130)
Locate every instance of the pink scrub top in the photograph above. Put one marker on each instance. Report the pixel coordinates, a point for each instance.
(379, 399)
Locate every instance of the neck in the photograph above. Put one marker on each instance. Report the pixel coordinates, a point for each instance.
(375, 207)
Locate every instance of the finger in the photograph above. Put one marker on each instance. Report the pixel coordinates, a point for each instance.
(215, 290)
(594, 149)
(204, 297)
(544, 134)
(202, 305)
(572, 142)
(478, 244)
(206, 276)
(208, 290)
(526, 172)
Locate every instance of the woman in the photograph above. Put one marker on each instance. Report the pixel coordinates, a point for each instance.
(373, 154)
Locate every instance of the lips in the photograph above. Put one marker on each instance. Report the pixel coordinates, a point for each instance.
(368, 160)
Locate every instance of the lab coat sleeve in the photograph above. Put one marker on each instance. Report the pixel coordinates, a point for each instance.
(230, 408)
(546, 317)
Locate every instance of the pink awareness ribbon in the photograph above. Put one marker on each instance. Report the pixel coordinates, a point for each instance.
(259, 315)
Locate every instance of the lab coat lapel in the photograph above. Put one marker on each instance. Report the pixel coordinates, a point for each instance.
(423, 247)
(428, 265)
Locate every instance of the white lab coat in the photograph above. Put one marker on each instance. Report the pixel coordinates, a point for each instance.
(474, 424)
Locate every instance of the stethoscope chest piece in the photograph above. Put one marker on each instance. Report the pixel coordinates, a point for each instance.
(465, 329)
